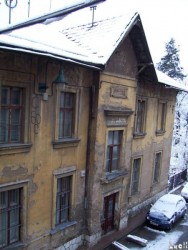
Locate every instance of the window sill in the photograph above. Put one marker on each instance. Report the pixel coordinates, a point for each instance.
(66, 143)
(14, 148)
(160, 132)
(62, 227)
(16, 246)
(133, 194)
(139, 135)
(113, 176)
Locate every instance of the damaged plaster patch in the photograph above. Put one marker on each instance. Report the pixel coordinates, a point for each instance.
(33, 188)
(14, 170)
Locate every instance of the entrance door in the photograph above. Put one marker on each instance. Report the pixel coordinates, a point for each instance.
(108, 213)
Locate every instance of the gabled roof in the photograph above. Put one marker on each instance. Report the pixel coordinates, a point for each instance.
(89, 44)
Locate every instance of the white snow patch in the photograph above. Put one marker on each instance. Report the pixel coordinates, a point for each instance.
(155, 230)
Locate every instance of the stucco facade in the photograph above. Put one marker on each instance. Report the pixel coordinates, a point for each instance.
(104, 166)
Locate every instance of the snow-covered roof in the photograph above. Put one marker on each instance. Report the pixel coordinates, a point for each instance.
(86, 43)
(92, 44)
(165, 79)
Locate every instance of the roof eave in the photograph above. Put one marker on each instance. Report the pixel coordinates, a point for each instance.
(51, 15)
(94, 66)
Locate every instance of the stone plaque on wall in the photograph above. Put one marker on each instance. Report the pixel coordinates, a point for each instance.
(116, 121)
(119, 92)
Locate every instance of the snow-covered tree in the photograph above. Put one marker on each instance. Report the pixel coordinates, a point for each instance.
(170, 63)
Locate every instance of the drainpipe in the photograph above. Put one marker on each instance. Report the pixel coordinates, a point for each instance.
(92, 115)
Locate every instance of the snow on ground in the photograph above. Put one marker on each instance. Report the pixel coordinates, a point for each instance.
(163, 240)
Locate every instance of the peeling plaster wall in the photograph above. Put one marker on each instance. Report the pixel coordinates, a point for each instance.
(119, 75)
(34, 167)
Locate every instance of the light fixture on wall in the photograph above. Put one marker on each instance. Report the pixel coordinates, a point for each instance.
(60, 79)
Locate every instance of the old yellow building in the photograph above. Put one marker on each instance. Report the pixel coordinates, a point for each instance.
(85, 131)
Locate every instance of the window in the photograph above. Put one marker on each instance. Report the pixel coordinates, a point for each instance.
(135, 175)
(161, 117)
(113, 150)
(11, 115)
(157, 166)
(10, 222)
(63, 198)
(140, 117)
(66, 115)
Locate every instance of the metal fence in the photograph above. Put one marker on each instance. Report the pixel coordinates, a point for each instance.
(177, 179)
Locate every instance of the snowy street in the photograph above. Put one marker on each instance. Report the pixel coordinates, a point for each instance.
(159, 239)
(177, 238)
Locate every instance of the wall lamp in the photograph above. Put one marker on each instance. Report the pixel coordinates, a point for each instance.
(60, 79)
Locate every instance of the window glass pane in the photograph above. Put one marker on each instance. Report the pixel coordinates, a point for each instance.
(14, 225)
(3, 229)
(62, 100)
(3, 200)
(10, 208)
(135, 175)
(68, 124)
(58, 209)
(157, 167)
(116, 137)
(16, 126)
(61, 124)
(63, 200)
(161, 116)
(115, 152)
(3, 219)
(4, 114)
(110, 137)
(69, 100)
(4, 95)
(16, 96)
(114, 164)
(11, 115)
(66, 115)
(140, 116)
